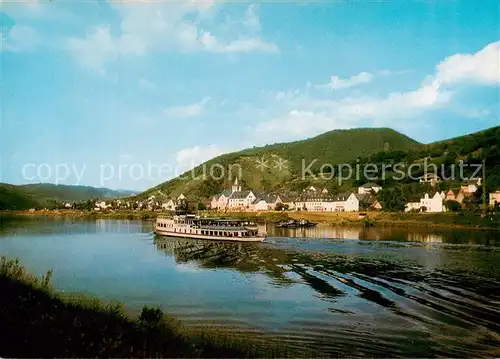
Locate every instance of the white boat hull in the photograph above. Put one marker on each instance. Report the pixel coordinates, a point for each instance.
(166, 233)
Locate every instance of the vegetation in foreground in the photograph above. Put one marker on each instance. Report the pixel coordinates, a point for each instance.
(35, 321)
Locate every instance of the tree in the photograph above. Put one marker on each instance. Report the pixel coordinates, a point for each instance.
(201, 206)
(393, 199)
(281, 207)
(182, 207)
(452, 206)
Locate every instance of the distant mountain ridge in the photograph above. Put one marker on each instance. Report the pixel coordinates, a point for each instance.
(41, 194)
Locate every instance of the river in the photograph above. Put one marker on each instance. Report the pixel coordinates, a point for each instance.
(337, 290)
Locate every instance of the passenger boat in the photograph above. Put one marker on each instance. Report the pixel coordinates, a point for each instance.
(191, 226)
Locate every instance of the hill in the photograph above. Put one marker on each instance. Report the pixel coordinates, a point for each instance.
(11, 197)
(472, 149)
(260, 166)
(44, 194)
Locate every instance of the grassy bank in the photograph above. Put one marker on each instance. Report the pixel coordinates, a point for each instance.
(430, 220)
(80, 214)
(36, 321)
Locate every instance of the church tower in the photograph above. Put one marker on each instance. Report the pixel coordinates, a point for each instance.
(236, 186)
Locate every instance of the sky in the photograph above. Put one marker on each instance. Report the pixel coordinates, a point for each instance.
(128, 94)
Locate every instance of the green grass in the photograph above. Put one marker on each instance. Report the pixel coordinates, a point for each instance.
(461, 219)
(36, 321)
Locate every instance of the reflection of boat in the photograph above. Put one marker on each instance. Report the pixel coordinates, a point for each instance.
(190, 226)
(303, 223)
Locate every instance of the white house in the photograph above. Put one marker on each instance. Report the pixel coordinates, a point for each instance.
(169, 205)
(368, 188)
(430, 178)
(234, 198)
(101, 205)
(310, 189)
(241, 199)
(428, 204)
(434, 204)
(265, 203)
(344, 203)
(472, 185)
(341, 203)
(412, 206)
(494, 198)
(181, 197)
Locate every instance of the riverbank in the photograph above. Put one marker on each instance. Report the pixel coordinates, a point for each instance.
(428, 220)
(460, 220)
(37, 321)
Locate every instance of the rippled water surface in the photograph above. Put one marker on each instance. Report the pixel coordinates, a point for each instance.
(348, 291)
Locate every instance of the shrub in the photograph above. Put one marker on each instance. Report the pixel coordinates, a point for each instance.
(453, 206)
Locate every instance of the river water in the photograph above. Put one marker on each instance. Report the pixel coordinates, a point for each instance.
(339, 291)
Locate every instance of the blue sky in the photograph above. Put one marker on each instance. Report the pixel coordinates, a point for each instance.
(104, 93)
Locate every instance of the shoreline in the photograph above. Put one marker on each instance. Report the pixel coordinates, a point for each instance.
(460, 220)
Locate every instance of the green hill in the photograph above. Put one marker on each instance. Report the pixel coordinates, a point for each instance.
(44, 194)
(11, 197)
(472, 149)
(334, 147)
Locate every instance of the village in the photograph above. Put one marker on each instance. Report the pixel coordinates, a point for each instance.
(313, 199)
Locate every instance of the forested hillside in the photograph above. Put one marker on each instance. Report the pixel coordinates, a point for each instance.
(332, 147)
(378, 146)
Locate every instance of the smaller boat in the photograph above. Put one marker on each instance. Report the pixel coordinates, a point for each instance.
(303, 223)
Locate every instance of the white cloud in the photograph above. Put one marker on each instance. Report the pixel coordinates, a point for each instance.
(191, 110)
(147, 84)
(162, 26)
(20, 38)
(252, 21)
(298, 124)
(307, 115)
(188, 158)
(99, 47)
(251, 44)
(311, 116)
(337, 83)
(483, 67)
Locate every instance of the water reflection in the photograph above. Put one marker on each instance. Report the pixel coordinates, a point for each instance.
(431, 294)
(20, 226)
(350, 292)
(398, 234)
